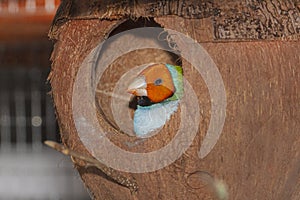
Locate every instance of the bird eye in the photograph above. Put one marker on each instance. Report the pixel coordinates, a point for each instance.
(158, 81)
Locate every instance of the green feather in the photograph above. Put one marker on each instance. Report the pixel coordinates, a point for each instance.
(177, 76)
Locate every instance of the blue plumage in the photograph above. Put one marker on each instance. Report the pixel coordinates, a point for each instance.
(150, 118)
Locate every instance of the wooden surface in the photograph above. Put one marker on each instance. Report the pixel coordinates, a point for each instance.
(258, 152)
(230, 20)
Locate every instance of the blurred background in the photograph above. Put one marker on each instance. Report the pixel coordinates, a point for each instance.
(29, 169)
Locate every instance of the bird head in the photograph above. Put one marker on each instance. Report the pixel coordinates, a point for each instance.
(158, 82)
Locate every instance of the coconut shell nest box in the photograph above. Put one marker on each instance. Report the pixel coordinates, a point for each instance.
(251, 46)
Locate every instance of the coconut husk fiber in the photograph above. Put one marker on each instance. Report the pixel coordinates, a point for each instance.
(255, 46)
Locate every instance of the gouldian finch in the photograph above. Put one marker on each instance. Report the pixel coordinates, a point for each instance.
(158, 88)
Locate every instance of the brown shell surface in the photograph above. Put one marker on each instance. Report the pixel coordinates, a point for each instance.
(258, 153)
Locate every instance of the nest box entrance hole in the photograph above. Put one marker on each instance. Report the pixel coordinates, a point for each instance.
(113, 77)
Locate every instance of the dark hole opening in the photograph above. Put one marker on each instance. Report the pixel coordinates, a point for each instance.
(125, 26)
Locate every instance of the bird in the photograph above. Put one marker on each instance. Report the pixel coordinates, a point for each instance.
(158, 89)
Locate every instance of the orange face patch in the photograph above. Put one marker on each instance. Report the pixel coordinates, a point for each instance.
(159, 81)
